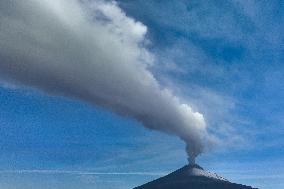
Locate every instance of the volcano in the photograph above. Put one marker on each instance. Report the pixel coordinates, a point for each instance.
(192, 176)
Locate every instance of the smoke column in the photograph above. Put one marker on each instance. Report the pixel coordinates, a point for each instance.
(93, 52)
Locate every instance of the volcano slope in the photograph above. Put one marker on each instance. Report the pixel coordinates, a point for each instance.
(192, 177)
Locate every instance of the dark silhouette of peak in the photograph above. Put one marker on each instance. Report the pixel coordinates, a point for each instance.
(192, 176)
(191, 166)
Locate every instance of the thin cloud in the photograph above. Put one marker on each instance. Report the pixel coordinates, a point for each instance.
(67, 172)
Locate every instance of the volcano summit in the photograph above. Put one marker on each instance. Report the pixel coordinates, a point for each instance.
(192, 176)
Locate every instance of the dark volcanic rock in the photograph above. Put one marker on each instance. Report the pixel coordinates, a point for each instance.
(192, 177)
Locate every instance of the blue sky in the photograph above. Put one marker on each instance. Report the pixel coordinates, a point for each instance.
(225, 58)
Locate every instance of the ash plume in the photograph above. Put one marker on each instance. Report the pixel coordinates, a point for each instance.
(93, 52)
